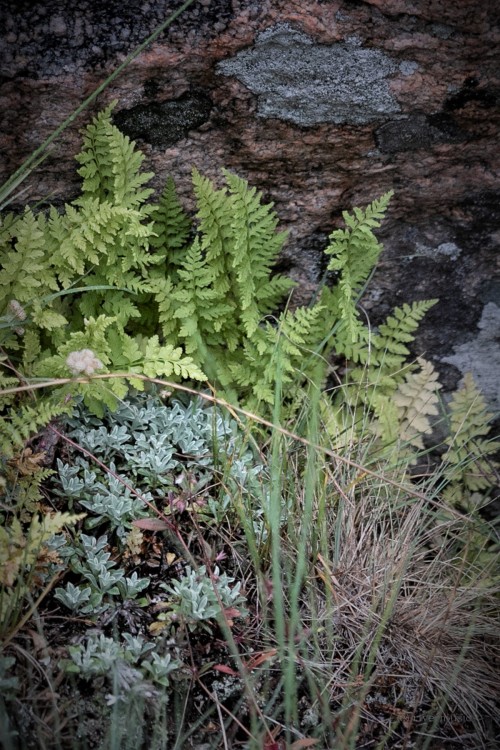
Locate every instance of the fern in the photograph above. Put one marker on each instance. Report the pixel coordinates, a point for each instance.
(165, 361)
(47, 319)
(166, 298)
(21, 555)
(403, 417)
(92, 337)
(383, 365)
(238, 235)
(26, 272)
(214, 224)
(19, 549)
(110, 164)
(171, 227)
(255, 247)
(25, 477)
(222, 288)
(468, 462)
(387, 349)
(24, 421)
(162, 299)
(199, 308)
(354, 251)
(286, 342)
(390, 345)
(105, 340)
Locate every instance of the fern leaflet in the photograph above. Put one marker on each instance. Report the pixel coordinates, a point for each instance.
(468, 457)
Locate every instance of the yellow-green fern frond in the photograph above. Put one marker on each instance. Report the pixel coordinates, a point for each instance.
(110, 164)
(390, 349)
(171, 226)
(404, 416)
(354, 252)
(24, 421)
(468, 458)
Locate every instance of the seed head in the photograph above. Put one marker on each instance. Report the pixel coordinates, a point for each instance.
(83, 362)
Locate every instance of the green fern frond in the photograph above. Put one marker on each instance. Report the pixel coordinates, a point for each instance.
(100, 231)
(24, 421)
(239, 244)
(196, 269)
(99, 395)
(209, 298)
(382, 358)
(6, 381)
(386, 424)
(298, 329)
(46, 318)
(271, 294)
(361, 351)
(25, 272)
(26, 492)
(7, 222)
(162, 289)
(197, 304)
(167, 361)
(93, 338)
(126, 163)
(110, 164)
(125, 351)
(404, 415)
(354, 252)
(371, 216)
(254, 374)
(119, 305)
(468, 458)
(255, 247)
(171, 227)
(214, 224)
(398, 330)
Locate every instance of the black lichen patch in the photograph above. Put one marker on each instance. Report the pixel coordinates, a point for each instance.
(164, 123)
(480, 216)
(471, 91)
(416, 132)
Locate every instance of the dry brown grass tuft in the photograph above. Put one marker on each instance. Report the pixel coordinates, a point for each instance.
(399, 626)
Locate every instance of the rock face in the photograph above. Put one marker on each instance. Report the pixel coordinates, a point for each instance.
(322, 105)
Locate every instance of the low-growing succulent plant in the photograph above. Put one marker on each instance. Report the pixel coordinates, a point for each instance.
(131, 660)
(196, 598)
(104, 581)
(154, 447)
(183, 456)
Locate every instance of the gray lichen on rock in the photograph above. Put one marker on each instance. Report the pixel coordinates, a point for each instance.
(298, 80)
(444, 249)
(481, 356)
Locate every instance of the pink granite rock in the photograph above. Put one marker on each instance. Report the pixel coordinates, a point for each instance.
(322, 105)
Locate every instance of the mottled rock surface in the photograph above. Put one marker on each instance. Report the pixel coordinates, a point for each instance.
(321, 104)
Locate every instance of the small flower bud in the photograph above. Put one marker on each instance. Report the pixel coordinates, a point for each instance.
(16, 310)
(83, 362)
